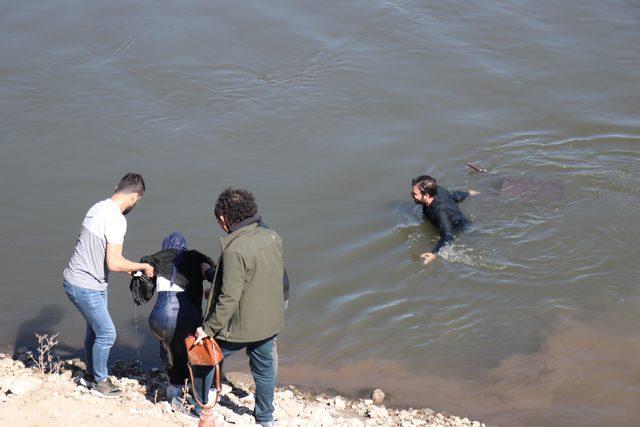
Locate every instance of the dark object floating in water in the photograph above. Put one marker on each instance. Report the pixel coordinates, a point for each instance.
(477, 168)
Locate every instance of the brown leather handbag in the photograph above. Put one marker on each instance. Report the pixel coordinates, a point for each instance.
(207, 353)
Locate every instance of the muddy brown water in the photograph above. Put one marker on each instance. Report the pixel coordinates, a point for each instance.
(326, 110)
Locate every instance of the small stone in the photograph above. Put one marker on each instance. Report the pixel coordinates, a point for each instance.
(339, 403)
(18, 364)
(367, 402)
(378, 412)
(22, 385)
(285, 395)
(226, 389)
(320, 416)
(377, 396)
(5, 384)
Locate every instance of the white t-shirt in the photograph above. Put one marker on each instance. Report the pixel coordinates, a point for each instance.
(104, 223)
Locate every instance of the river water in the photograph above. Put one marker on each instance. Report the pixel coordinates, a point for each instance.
(326, 110)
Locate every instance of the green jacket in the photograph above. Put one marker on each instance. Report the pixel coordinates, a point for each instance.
(246, 303)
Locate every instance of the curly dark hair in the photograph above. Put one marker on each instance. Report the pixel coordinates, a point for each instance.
(235, 205)
(426, 184)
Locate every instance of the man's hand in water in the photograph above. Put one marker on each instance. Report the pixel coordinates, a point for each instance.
(200, 335)
(428, 257)
(473, 192)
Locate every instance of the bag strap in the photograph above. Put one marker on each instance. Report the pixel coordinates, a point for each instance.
(218, 384)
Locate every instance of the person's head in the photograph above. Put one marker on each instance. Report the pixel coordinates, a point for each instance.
(175, 241)
(423, 189)
(129, 191)
(233, 206)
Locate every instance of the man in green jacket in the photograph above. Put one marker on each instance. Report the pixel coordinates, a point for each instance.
(245, 308)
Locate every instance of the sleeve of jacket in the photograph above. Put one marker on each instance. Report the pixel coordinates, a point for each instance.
(233, 275)
(459, 196)
(446, 231)
(153, 259)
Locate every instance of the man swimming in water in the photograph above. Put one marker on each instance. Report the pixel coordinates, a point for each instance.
(440, 206)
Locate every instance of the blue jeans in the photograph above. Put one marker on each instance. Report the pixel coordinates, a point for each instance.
(101, 334)
(263, 370)
(173, 318)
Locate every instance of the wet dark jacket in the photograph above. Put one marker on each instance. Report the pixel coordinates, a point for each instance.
(188, 273)
(445, 214)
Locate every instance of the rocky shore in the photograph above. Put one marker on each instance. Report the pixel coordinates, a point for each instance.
(36, 390)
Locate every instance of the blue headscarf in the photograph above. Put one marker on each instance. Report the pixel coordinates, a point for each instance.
(178, 242)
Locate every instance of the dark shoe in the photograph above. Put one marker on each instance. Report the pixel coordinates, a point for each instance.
(106, 388)
(188, 407)
(84, 379)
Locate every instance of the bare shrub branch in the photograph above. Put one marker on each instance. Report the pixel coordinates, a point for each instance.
(46, 362)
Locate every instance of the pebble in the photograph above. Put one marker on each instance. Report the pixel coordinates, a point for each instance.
(377, 396)
(285, 395)
(320, 417)
(22, 386)
(378, 412)
(339, 403)
(5, 384)
(225, 389)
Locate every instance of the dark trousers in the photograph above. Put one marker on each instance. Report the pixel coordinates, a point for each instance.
(263, 369)
(174, 317)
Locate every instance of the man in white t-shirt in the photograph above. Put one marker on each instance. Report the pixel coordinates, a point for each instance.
(99, 251)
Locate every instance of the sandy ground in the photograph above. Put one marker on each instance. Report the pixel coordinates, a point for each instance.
(30, 397)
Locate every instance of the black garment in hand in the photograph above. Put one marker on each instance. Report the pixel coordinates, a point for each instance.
(142, 288)
(445, 214)
(188, 273)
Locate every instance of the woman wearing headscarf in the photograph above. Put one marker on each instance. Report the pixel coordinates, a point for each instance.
(178, 308)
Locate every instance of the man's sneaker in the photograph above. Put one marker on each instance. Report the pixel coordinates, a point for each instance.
(172, 391)
(106, 388)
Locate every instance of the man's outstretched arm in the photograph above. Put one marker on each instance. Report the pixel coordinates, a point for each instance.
(117, 262)
(446, 237)
(459, 196)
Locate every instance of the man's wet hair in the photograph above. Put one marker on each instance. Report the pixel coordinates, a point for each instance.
(427, 185)
(235, 205)
(131, 183)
